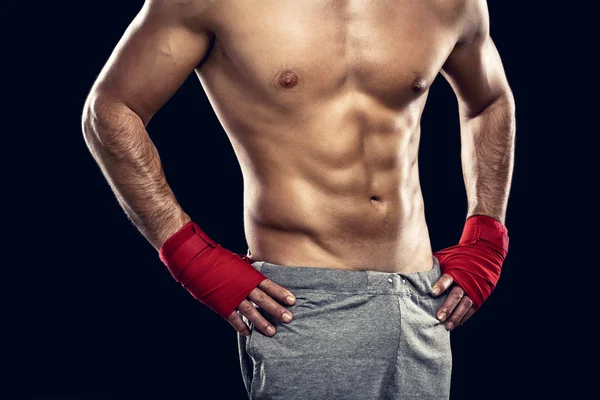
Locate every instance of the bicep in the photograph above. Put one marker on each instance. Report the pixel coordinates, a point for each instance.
(152, 60)
(474, 69)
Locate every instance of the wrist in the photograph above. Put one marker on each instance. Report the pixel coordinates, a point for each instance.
(487, 230)
(498, 215)
(489, 221)
(177, 223)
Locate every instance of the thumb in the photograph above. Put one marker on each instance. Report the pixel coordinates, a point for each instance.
(442, 284)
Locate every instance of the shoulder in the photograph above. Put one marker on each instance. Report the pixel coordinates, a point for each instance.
(191, 13)
(181, 7)
(475, 22)
(466, 18)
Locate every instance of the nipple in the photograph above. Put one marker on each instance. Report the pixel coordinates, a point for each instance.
(419, 85)
(288, 79)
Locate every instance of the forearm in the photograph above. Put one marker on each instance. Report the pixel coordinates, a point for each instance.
(487, 154)
(119, 142)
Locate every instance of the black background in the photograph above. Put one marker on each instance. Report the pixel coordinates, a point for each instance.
(103, 317)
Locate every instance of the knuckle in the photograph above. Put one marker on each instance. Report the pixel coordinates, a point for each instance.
(284, 293)
(237, 324)
(267, 283)
(446, 307)
(468, 301)
(232, 316)
(455, 318)
(270, 305)
(280, 310)
(263, 324)
(247, 308)
(260, 297)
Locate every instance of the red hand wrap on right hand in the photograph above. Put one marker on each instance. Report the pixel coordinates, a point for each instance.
(475, 263)
(214, 275)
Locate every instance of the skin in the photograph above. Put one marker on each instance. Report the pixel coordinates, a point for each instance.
(322, 104)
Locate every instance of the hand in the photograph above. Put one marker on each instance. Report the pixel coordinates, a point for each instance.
(457, 308)
(264, 296)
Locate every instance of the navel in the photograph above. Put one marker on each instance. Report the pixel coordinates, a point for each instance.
(419, 85)
(287, 79)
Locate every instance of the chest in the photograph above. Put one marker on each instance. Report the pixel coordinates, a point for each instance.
(391, 49)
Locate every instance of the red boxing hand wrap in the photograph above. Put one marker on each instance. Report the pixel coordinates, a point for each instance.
(214, 275)
(475, 263)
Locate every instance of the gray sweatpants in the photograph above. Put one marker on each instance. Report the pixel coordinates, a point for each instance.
(355, 335)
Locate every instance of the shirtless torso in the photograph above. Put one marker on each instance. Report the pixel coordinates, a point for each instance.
(322, 101)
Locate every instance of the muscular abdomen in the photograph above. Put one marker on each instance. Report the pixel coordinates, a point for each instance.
(322, 105)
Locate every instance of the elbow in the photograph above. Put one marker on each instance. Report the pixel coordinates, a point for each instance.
(508, 108)
(104, 118)
(87, 117)
(94, 115)
(508, 99)
(503, 101)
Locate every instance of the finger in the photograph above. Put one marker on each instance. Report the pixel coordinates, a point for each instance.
(442, 284)
(249, 311)
(459, 312)
(237, 323)
(266, 302)
(467, 315)
(277, 292)
(455, 296)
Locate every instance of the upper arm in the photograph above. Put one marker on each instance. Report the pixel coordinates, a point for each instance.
(158, 51)
(474, 68)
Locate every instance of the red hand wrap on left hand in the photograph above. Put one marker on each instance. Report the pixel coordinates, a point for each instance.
(475, 263)
(214, 275)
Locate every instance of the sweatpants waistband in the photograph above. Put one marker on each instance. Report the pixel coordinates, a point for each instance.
(350, 281)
